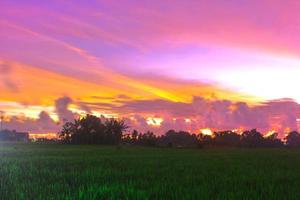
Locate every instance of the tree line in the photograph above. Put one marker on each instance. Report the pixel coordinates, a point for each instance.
(92, 130)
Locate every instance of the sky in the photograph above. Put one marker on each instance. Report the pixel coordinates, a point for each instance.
(184, 65)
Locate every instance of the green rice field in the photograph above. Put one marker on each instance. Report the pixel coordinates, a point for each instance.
(53, 171)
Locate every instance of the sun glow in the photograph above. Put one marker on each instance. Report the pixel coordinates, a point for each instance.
(187, 120)
(238, 130)
(264, 85)
(269, 133)
(35, 136)
(154, 121)
(206, 131)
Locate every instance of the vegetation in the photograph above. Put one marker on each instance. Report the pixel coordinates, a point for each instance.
(251, 138)
(91, 130)
(35, 171)
(293, 139)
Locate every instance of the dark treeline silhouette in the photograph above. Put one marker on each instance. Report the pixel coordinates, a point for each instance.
(293, 139)
(93, 130)
(251, 138)
(170, 139)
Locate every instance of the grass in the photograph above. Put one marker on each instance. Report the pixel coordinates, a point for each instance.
(36, 171)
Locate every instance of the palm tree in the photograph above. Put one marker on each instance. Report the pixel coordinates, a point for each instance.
(114, 130)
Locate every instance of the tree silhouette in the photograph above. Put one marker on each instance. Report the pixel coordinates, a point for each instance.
(272, 141)
(293, 139)
(91, 130)
(113, 130)
(226, 138)
(134, 135)
(252, 138)
(147, 139)
(143, 139)
(204, 140)
(178, 139)
(67, 130)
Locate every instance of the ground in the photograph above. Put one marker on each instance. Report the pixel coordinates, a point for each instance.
(46, 171)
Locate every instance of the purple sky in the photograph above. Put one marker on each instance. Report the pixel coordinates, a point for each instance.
(112, 57)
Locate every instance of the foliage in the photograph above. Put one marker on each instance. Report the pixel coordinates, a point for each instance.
(91, 130)
(226, 138)
(272, 141)
(252, 138)
(143, 139)
(178, 139)
(293, 139)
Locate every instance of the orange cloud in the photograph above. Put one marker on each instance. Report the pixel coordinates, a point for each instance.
(40, 87)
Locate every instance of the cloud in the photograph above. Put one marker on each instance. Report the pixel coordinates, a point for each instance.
(123, 96)
(6, 76)
(279, 115)
(85, 107)
(62, 109)
(43, 124)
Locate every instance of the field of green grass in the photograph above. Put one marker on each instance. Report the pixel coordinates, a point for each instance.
(32, 171)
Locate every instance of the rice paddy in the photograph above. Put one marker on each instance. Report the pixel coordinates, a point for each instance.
(53, 171)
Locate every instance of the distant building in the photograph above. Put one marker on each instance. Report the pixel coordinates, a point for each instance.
(12, 135)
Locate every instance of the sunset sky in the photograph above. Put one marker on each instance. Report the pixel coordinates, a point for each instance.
(219, 64)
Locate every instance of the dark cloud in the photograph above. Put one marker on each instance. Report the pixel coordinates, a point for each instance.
(83, 106)
(94, 105)
(44, 124)
(152, 106)
(123, 96)
(6, 77)
(62, 109)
